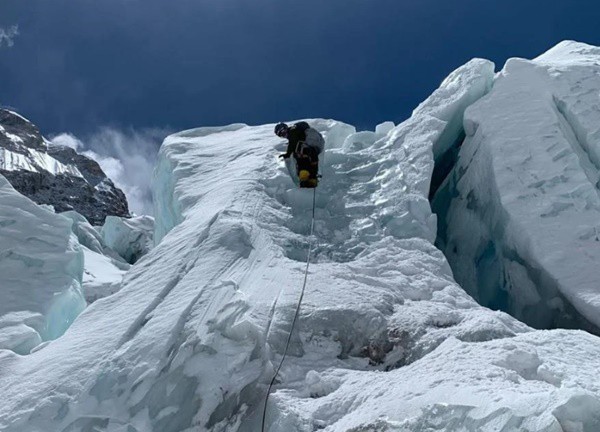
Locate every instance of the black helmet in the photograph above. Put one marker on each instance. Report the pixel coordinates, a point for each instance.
(281, 129)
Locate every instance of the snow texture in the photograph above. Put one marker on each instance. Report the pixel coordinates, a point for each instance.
(41, 266)
(386, 339)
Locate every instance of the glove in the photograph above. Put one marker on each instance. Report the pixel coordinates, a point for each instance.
(283, 156)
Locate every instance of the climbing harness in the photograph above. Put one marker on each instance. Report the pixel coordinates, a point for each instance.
(289, 338)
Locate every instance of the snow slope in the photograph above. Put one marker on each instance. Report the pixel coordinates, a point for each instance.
(386, 340)
(41, 266)
(522, 229)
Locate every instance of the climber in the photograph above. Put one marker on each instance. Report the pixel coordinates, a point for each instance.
(305, 144)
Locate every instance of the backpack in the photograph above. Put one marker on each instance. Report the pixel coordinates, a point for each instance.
(313, 138)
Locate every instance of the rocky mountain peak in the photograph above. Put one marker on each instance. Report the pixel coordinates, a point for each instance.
(19, 134)
(55, 175)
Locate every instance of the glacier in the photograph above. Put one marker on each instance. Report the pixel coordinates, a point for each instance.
(386, 340)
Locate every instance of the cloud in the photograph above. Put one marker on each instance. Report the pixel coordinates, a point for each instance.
(126, 156)
(68, 140)
(7, 36)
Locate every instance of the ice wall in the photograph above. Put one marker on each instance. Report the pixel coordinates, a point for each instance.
(520, 210)
(41, 266)
(168, 197)
(87, 235)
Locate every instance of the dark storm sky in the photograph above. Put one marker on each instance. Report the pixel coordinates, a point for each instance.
(77, 65)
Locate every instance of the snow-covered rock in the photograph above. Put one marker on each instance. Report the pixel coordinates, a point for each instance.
(131, 238)
(41, 267)
(520, 211)
(386, 340)
(54, 174)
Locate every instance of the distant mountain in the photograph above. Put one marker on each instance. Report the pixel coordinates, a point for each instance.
(55, 175)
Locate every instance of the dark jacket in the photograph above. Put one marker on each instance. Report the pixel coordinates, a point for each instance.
(296, 134)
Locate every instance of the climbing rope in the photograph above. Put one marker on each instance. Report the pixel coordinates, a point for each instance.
(289, 338)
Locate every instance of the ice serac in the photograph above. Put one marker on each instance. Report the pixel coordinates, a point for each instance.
(55, 175)
(378, 289)
(104, 268)
(131, 238)
(520, 212)
(103, 275)
(41, 266)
